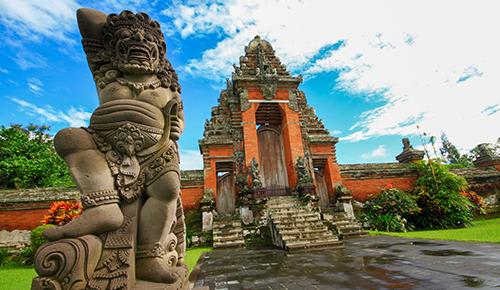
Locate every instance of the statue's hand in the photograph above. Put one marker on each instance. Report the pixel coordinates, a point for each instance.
(53, 234)
(175, 128)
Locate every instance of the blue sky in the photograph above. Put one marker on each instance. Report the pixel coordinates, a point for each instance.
(373, 70)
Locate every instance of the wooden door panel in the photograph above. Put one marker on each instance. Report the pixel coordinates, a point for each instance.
(226, 197)
(272, 158)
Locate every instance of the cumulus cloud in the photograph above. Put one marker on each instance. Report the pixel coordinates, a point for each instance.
(380, 151)
(34, 19)
(433, 64)
(190, 159)
(73, 117)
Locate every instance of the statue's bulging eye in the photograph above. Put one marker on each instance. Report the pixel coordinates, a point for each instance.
(149, 37)
(125, 34)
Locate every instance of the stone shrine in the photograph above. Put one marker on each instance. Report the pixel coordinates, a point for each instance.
(131, 234)
(263, 116)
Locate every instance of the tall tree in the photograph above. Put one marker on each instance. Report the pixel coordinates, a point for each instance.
(450, 153)
(28, 159)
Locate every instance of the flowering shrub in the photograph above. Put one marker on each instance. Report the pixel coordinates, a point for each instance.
(438, 195)
(475, 199)
(390, 210)
(62, 212)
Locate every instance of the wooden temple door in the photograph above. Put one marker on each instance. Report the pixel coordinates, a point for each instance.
(226, 197)
(272, 157)
(321, 189)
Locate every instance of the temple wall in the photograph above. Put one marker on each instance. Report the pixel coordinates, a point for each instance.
(368, 179)
(24, 209)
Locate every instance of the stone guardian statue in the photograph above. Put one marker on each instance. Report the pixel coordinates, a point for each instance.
(131, 234)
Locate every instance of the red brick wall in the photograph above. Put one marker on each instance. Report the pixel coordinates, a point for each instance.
(27, 216)
(23, 216)
(191, 197)
(362, 188)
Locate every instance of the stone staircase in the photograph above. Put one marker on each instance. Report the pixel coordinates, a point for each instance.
(296, 227)
(346, 227)
(227, 232)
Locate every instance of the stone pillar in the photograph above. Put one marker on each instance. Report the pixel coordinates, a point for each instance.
(409, 154)
(292, 141)
(250, 134)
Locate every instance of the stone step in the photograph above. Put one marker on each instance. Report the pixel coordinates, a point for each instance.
(227, 231)
(307, 231)
(295, 215)
(356, 234)
(314, 237)
(349, 227)
(300, 226)
(297, 221)
(232, 244)
(227, 238)
(316, 245)
(298, 217)
(289, 210)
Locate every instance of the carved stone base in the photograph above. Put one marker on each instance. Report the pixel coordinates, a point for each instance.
(66, 264)
(70, 264)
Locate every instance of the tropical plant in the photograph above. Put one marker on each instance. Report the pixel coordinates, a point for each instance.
(475, 199)
(28, 159)
(451, 154)
(438, 195)
(62, 212)
(390, 210)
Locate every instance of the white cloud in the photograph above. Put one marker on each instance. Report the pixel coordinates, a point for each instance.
(73, 117)
(33, 19)
(35, 85)
(3, 70)
(433, 63)
(191, 159)
(380, 151)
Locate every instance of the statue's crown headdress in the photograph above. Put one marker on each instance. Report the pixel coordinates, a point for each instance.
(128, 19)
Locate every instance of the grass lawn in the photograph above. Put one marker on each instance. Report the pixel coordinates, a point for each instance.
(15, 277)
(481, 231)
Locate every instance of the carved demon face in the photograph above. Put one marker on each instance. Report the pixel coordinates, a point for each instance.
(135, 42)
(137, 50)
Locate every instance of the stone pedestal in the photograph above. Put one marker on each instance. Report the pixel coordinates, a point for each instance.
(207, 221)
(246, 215)
(346, 206)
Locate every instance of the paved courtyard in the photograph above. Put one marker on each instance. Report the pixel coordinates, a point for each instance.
(378, 262)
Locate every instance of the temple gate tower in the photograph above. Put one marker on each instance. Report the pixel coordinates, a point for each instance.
(262, 115)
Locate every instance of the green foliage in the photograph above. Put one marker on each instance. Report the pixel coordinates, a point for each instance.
(37, 238)
(28, 159)
(4, 256)
(487, 230)
(451, 154)
(438, 194)
(390, 210)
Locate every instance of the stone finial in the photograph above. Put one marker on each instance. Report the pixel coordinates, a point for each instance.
(409, 154)
(487, 157)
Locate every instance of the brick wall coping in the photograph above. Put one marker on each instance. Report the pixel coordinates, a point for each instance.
(376, 170)
(10, 196)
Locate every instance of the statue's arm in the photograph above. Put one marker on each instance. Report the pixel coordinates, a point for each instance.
(90, 24)
(177, 120)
